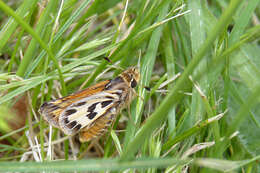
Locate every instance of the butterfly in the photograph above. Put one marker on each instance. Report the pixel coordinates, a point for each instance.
(91, 111)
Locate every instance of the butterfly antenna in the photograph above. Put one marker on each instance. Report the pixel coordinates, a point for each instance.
(111, 63)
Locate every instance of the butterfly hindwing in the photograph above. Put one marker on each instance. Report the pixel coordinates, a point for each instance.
(98, 128)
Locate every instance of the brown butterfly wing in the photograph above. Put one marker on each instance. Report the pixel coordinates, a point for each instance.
(97, 128)
(52, 110)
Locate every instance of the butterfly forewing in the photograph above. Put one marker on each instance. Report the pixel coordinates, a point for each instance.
(84, 112)
(52, 110)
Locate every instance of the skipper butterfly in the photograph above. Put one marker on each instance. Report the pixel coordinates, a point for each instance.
(92, 110)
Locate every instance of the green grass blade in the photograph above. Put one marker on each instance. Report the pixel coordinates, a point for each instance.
(87, 165)
(11, 24)
(26, 27)
(160, 113)
(58, 35)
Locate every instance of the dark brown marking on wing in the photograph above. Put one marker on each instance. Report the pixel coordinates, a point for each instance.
(72, 124)
(105, 103)
(80, 104)
(54, 107)
(92, 107)
(70, 111)
(77, 127)
(91, 115)
(109, 97)
(66, 120)
(118, 93)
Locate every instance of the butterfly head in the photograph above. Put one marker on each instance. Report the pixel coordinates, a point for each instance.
(131, 76)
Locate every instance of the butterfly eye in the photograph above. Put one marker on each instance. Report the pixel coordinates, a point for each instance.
(133, 83)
